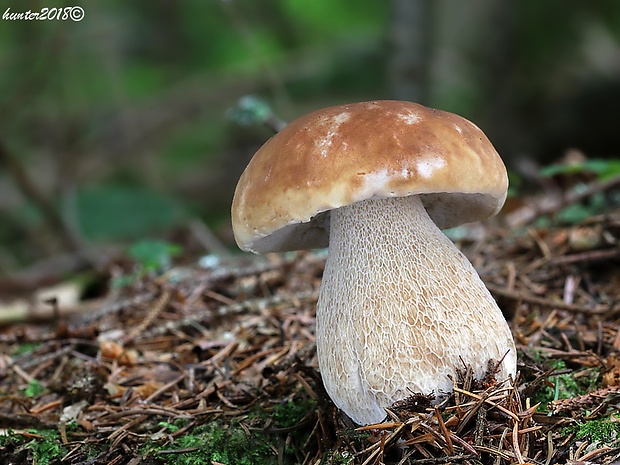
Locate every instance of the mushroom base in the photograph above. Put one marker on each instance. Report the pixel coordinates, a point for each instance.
(401, 310)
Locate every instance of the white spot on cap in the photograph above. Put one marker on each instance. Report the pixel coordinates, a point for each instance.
(325, 143)
(341, 118)
(373, 183)
(458, 128)
(333, 125)
(409, 118)
(427, 167)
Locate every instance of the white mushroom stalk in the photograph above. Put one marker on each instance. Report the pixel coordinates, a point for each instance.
(400, 310)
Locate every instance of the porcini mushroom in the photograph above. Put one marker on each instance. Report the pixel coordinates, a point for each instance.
(400, 310)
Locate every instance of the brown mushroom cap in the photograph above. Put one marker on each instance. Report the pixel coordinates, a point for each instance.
(340, 155)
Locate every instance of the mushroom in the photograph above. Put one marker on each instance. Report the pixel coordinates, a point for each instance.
(400, 309)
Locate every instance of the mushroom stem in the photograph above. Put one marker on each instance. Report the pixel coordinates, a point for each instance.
(401, 310)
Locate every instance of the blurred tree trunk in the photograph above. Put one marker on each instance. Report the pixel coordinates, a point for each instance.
(476, 69)
(498, 73)
(410, 41)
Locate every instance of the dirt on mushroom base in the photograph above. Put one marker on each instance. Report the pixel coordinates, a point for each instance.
(218, 365)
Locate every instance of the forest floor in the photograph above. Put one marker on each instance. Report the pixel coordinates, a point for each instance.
(217, 363)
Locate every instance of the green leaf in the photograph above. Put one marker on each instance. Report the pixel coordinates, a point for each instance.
(34, 389)
(154, 255)
(249, 111)
(110, 212)
(604, 169)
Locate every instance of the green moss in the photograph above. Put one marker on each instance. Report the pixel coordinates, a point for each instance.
(602, 431)
(565, 385)
(241, 441)
(48, 449)
(291, 413)
(173, 427)
(45, 448)
(236, 446)
(217, 442)
(24, 348)
(339, 458)
(7, 439)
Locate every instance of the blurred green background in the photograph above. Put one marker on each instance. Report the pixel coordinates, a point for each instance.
(118, 127)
